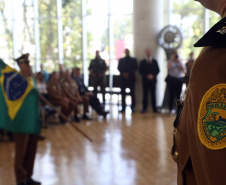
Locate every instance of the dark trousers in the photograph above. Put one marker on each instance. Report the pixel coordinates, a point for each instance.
(99, 81)
(175, 88)
(149, 85)
(25, 150)
(95, 104)
(131, 85)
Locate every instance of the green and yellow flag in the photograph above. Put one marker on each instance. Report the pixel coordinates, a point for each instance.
(19, 102)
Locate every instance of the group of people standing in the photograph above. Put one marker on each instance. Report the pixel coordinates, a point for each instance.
(148, 69)
(127, 67)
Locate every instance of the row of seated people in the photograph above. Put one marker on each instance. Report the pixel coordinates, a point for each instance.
(67, 91)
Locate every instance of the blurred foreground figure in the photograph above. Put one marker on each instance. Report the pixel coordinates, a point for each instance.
(200, 131)
(20, 114)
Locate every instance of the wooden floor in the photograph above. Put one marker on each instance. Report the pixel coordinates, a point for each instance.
(126, 150)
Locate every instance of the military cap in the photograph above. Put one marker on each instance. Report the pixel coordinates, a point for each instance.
(23, 59)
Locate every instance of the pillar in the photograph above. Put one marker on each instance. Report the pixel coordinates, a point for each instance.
(148, 22)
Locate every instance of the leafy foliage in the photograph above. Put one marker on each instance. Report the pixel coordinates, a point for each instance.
(192, 22)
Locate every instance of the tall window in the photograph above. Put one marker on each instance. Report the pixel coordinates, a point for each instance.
(72, 33)
(17, 33)
(190, 17)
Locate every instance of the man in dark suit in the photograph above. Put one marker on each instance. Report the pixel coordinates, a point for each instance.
(97, 70)
(149, 69)
(127, 67)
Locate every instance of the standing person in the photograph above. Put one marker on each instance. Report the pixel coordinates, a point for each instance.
(97, 71)
(174, 79)
(149, 70)
(189, 65)
(44, 72)
(21, 115)
(61, 71)
(200, 135)
(40, 83)
(127, 67)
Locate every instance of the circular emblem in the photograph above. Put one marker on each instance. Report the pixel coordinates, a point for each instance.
(170, 37)
(15, 85)
(212, 118)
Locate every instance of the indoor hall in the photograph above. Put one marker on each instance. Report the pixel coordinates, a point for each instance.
(127, 149)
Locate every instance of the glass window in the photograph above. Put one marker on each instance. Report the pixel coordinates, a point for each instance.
(214, 18)
(97, 7)
(97, 34)
(123, 38)
(25, 31)
(189, 17)
(121, 6)
(6, 40)
(72, 33)
(48, 34)
(72, 8)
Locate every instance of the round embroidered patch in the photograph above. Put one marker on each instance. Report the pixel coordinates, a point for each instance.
(212, 118)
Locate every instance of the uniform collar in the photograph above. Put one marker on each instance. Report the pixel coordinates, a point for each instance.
(216, 36)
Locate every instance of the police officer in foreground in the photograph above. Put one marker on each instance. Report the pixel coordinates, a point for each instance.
(97, 71)
(200, 133)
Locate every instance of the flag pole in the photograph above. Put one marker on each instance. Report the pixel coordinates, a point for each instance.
(65, 118)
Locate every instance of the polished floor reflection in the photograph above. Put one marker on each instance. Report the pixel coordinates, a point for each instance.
(126, 150)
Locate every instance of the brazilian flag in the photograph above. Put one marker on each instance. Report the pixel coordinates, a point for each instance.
(19, 102)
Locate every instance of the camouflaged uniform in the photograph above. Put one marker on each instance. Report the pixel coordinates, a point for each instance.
(69, 91)
(56, 96)
(75, 92)
(200, 137)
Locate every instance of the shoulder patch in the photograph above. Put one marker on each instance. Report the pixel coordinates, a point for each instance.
(212, 118)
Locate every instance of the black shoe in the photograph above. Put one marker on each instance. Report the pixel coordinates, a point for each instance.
(11, 139)
(156, 111)
(76, 119)
(23, 183)
(41, 138)
(104, 114)
(143, 111)
(33, 182)
(62, 120)
(85, 117)
(50, 113)
(122, 110)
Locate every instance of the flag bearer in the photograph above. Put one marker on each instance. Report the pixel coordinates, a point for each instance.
(19, 104)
